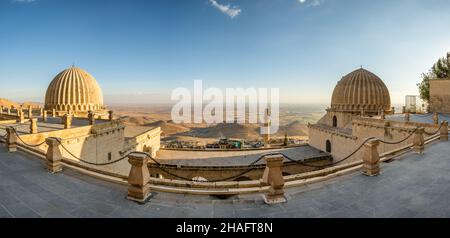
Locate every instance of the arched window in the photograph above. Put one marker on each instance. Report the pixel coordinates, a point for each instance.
(328, 146)
(334, 121)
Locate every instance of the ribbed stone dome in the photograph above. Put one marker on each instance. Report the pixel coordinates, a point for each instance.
(74, 89)
(361, 90)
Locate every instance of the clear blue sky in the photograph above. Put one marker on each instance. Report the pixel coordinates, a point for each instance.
(301, 46)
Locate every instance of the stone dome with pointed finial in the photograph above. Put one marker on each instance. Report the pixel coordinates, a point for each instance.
(74, 89)
(361, 90)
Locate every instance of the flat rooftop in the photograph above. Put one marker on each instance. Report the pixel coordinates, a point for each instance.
(133, 131)
(412, 186)
(232, 158)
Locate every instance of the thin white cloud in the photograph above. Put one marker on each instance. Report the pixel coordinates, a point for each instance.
(231, 11)
(23, 1)
(312, 3)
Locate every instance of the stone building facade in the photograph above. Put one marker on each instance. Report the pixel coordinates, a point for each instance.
(440, 96)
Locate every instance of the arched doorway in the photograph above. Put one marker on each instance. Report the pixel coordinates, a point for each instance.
(328, 146)
(334, 121)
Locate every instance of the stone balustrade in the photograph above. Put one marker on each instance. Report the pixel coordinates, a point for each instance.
(54, 155)
(139, 178)
(273, 177)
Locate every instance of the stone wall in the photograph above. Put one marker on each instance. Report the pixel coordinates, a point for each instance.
(440, 96)
(343, 144)
(212, 173)
(100, 143)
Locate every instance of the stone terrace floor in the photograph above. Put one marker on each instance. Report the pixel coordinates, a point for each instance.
(414, 186)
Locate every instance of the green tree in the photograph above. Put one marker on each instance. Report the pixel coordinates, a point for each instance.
(440, 70)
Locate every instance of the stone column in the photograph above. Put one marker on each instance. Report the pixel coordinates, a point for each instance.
(111, 115)
(44, 116)
(53, 112)
(419, 141)
(436, 118)
(273, 176)
(91, 118)
(67, 119)
(54, 155)
(407, 116)
(11, 139)
(139, 178)
(30, 112)
(41, 111)
(1, 110)
(371, 158)
(444, 131)
(33, 126)
(8, 111)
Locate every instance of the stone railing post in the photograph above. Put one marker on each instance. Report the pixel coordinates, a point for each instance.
(53, 112)
(273, 176)
(67, 120)
(44, 116)
(11, 139)
(436, 118)
(110, 115)
(8, 111)
(30, 112)
(1, 109)
(407, 116)
(21, 116)
(419, 141)
(91, 118)
(41, 111)
(444, 131)
(54, 155)
(371, 158)
(33, 126)
(139, 178)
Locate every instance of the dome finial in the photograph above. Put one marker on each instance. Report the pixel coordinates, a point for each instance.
(361, 66)
(73, 65)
